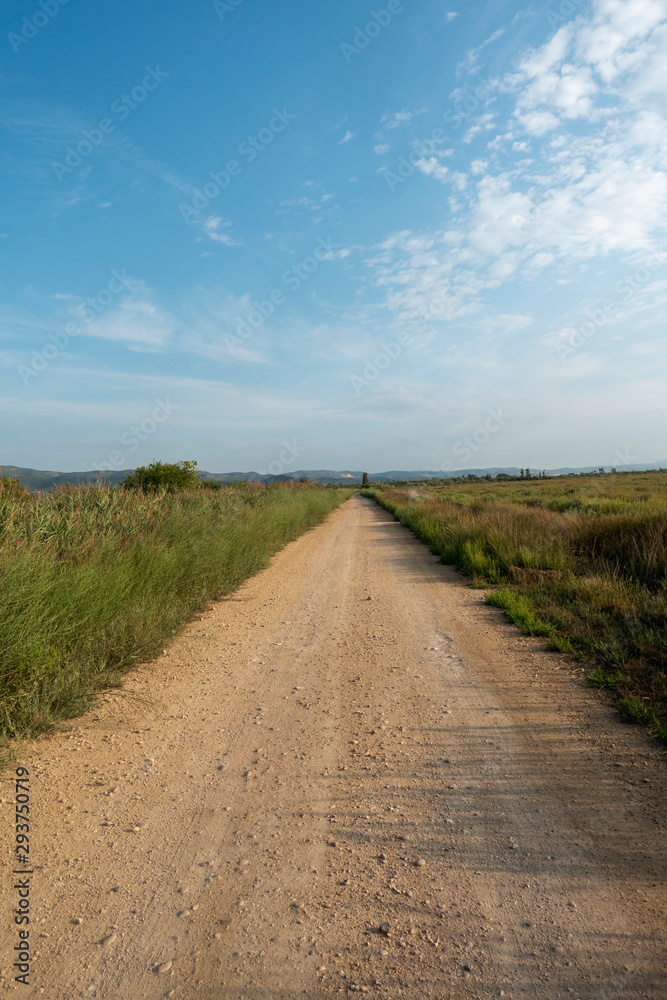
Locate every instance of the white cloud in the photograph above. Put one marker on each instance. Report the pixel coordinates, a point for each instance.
(484, 123)
(432, 168)
(135, 320)
(595, 185)
(506, 322)
(398, 118)
(347, 137)
(470, 62)
(217, 229)
(614, 39)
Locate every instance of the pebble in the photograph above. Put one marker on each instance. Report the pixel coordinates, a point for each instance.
(385, 929)
(165, 967)
(183, 913)
(332, 843)
(78, 920)
(109, 939)
(419, 863)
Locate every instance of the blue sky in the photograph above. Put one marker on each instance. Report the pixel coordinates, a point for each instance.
(409, 235)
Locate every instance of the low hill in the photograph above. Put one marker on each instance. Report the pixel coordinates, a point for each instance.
(35, 479)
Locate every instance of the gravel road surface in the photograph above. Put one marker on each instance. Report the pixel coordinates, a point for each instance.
(350, 777)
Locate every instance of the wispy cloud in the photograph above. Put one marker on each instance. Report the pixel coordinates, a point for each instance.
(217, 229)
(595, 186)
(46, 131)
(396, 119)
(136, 321)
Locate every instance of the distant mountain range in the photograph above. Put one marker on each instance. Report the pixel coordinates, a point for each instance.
(36, 480)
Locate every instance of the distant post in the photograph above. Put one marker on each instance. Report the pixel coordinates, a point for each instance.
(364, 481)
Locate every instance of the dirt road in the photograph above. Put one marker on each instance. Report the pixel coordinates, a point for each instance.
(351, 740)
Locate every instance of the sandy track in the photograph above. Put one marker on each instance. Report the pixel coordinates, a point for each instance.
(352, 739)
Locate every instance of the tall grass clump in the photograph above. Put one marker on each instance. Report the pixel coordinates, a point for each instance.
(581, 561)
(93, 580)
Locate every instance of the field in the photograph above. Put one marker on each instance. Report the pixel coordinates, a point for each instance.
(93, 580)
(581, 560)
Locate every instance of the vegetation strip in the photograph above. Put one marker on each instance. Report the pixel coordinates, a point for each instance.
(93, 580)
(579, 560)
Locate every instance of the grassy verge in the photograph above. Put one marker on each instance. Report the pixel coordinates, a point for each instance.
(94, 580)
(588, 572)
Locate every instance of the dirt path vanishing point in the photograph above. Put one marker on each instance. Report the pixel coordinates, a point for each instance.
(353, 739)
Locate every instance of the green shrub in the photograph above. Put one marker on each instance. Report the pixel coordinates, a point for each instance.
(633, 709)
(164, 476)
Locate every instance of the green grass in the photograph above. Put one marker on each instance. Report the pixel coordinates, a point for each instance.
(633, 709)
(519, 609)
(581, 561)
(93, 580)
